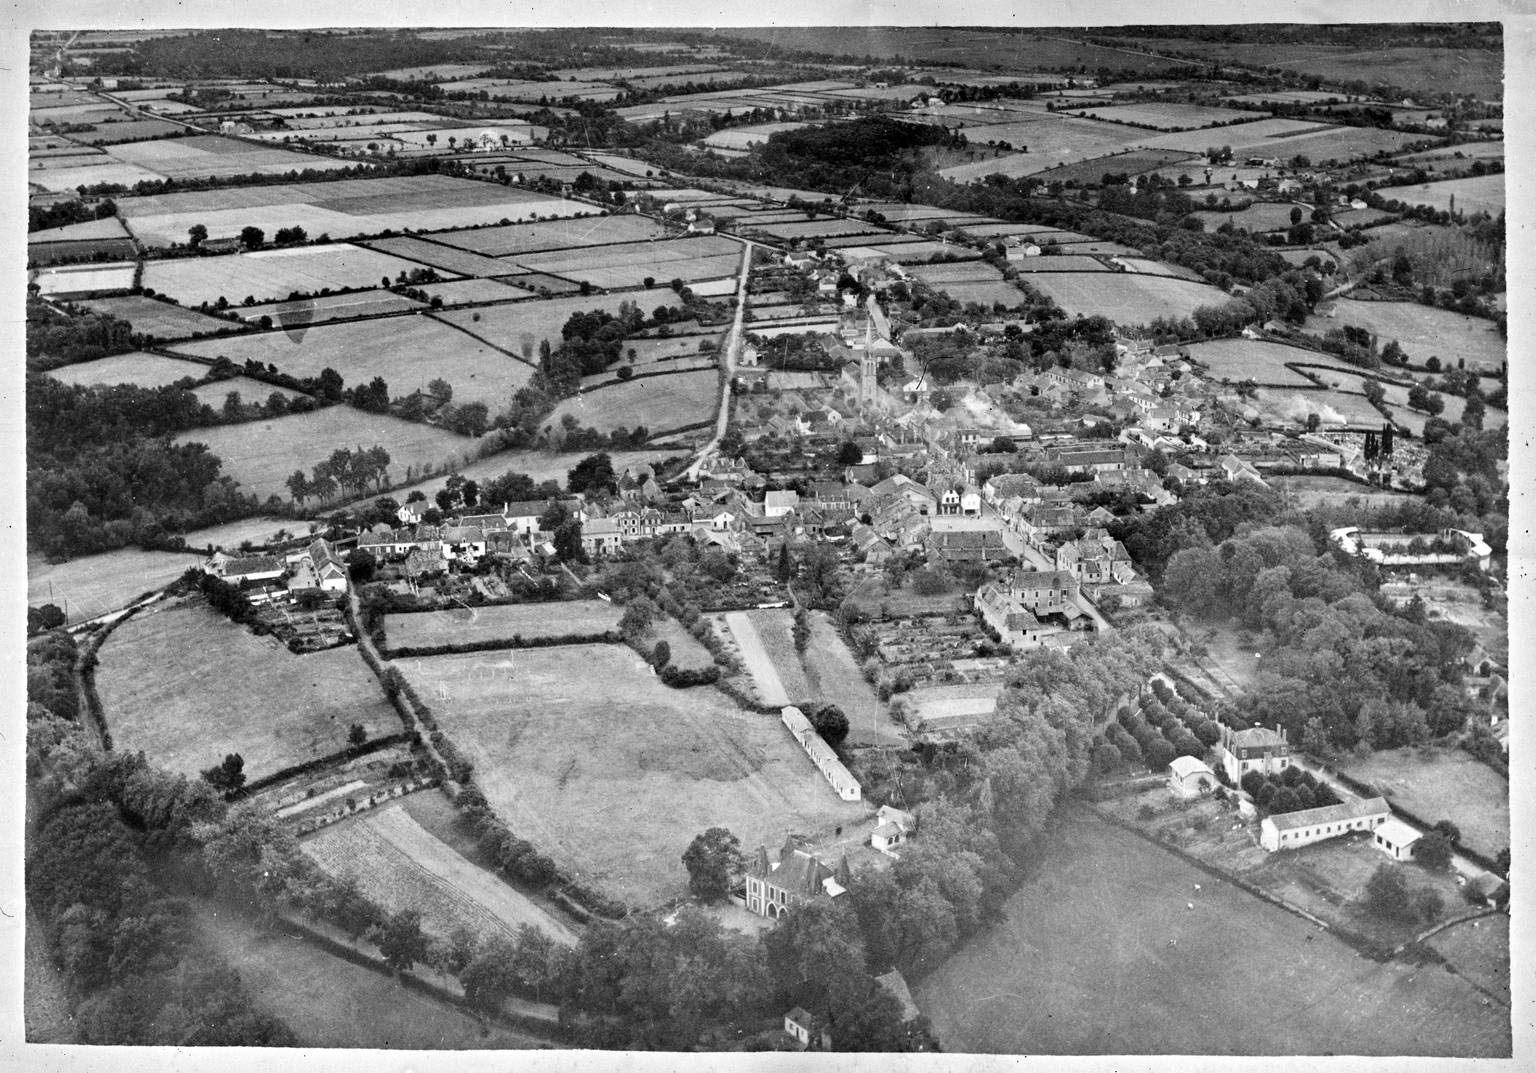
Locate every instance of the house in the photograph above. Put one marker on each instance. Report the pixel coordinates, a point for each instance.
(1091, 458)
(892, 828)
(466, 542)
(1236, 469)
(799, 1026)
(383, 542)
(1190, 777)
(1396, 839)
(424, 561)
(1490, 889)
(1002, 609)
(319, 567)
(821, 754)
(601, 536)
(1292, 830)
(1255, 749)
(796, 878)
(968, 545)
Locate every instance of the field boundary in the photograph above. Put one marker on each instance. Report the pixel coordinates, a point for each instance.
(351, 752)
(495, 644)
(482, 339)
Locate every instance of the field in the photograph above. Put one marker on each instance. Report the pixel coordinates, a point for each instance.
(271, 274)
(231, 535)
(1258, 217)
(329, 1002)
(109, 227)
(451, 259)
(406, 351)
(834, 677)
(46, 1010)
(250, 390)
(1479, 950)
(1170, 116)
(401, 865)
(330, 307)
(1124, 297)
(201, 157)
(1237, 360)
(616, 791)
(464, 626)
(687, 652)
(143, 369)
(745, 137)
(1062, 262)
(261, 455)
(156, 318)
(554, 235)
(1132, 163)
(471, 291)
(96, 584)
(1099, 955)
(629, 265)
(60, 179)
(187, 686)
(1443, 784)
(1051, 141)
(521, 327)
(1422, 331)
(659, 403)
(79, 279)
(1480, 193)
(1282, 407)
(341, 208)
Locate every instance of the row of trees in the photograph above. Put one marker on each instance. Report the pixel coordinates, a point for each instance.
(347, 472)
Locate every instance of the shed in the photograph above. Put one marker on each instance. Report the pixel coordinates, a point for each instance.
(1396, 839)
(1190, 776)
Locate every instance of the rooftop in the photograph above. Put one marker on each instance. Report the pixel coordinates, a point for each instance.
(1356, 809)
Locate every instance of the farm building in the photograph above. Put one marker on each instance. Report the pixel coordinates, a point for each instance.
(774, 888)
(1190, 777)
(1004, 610)
(319, 567)
(1256, 749)
(821, 754)
(1292, 830)
(892, 828)
(1396, 839)
(234, 569)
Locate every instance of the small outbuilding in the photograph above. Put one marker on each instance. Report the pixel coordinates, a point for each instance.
(1190, 776)
(799, 1025)
(1396, 839)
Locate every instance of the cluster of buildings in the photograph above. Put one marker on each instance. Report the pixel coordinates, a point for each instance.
(314, 568)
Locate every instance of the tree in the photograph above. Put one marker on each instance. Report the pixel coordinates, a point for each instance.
(568, 542)
(490, 975)
(251, 237)
(661, 655)
(197, 234)
(713, 859)
(831, 724)
(361, 565)
(1450, 831)
(850, 454)
(1386, 894)
(638, 615)
(440, 389)
(227, 776)
(401, 941)
(1433, 850)
(815, 953)
(593, 473)
(42, 619)
(784, 568)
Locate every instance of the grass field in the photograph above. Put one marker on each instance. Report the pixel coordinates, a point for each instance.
(521, 327)
(1132, 163)
(1252, 359)
(1099, 955)
(211, 155)
(1063, 262)
(554, 235)
(833, 676)
(261, 455)
(79, 279)
(1170, 116)
(187, 686)
(272, 274)
(250, 390)
(96, 584)
(231, 535)
(471, 291)
(687, 652)
(616, 791)
(330, 1002)
(985, 294)
(630, 264)
(401, 865)
(772, 630)
(1479, 193)
(342, 208)
(445, 258)
(660, 403)
(1260, 216)
(156, 318)
(66, 179)
(1124, 297)
(1443, 784)
(138, 367)
(406, 351)
(1279, 406)
(1422, 331)
(958, 272)
(1479, 950)
(463, 626)
(304, 311)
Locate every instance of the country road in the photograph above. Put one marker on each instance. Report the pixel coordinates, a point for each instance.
(729, 354)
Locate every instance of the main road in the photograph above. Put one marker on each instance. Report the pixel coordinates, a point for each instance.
(729, 354)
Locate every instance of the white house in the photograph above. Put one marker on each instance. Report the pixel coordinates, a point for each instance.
(1190, 777)
(1396, 839)
(1256, 749)
(1292, 830)
(778, 504)
(892, 828)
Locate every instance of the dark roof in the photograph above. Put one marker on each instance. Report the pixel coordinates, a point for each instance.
(1354, 809)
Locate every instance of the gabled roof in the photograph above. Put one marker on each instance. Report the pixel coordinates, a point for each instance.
(1354, 809)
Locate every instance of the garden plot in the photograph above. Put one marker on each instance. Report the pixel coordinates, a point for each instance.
(1124, 297)
(616, 791)
(187, 686)
(1478, 193)
(68, 280)
(1236, 360)
(520, 327)
(261, 455)
(160, 319)
(401, 865)
(501, 622)
(658, 403)
(330, 307)
(406, 351)
(139, 368)
(267, 274)
(96, 584)
(554, 235)
(341, 208)
(1422, 331)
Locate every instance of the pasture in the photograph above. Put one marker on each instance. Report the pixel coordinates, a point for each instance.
(406, 351)
(985, 294)
(271, 274)
(437, 255)
(69, 280)
(156, 318)
(1477, 193)
(1258, 217)
(818, 228)
(630, 264)
(1442, 784)
(615, 791)
(342, 208)
(143, 369)
(216, 157)
(1133, 162)
(261, 455)
(659, 403)
(107, 227)
(1312, 491)
(520, 327)
(249, 390)
(1124, 297)
(501, 622)
(95, 584)
(187, 686)
(473, 291)
(330, 307)
(554, 235)
(1236, 360)
(1099, 954)
(57, 179)
(1063, 262)
(1170, 116)
(746, 137)
(1422, 331)
(833, 675)
(401, 865)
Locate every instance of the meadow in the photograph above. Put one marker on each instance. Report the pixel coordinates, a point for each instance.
(1262, 362)
(1283, 407)
(554, 235)
(211, 155)
(406, 351)
(1124, 297)
(156, 318)
(520, 327)
(615, 792)
(630, 264)
(473, 291)
(1171, 116)
(261, 455)
(271, 274)
(1479, 193)
(250, 390)
(143, 369)
(436, 254)
(330, 307)
(1099, 954)
(501, 622)
(1442, 784)
(1260, 216)
(660, 403)
(1422, 331)
(83, 279)
(95, 584)
(187, 686)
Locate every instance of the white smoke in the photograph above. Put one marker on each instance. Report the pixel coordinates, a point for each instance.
(1297, 408)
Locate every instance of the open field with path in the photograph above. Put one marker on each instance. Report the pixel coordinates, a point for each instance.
(587, 755)
(96, 584)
